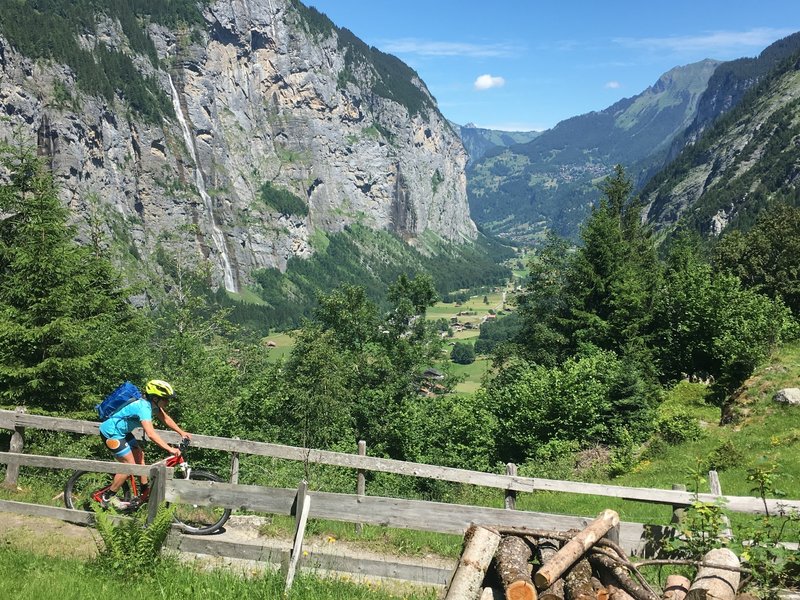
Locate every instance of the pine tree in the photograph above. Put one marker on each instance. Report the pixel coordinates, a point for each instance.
(66, 330)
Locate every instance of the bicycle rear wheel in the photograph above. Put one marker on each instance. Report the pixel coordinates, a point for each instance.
(82, 484)
(201, 520)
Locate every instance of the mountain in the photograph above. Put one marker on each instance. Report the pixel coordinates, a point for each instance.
(550, 182)
(241, 133)
(728, 85)
(743, 163)
(478, 141)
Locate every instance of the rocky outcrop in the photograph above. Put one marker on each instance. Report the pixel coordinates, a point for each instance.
(259, 96)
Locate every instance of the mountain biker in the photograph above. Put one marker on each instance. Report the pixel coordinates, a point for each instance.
(117, 434)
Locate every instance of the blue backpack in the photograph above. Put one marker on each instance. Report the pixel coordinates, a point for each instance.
(118, 399)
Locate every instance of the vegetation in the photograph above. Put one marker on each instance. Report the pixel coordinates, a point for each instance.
(282, 200)
(49, 29)
(32, 576)
(372, 260)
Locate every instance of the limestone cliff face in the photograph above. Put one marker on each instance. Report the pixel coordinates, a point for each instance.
(259, 96)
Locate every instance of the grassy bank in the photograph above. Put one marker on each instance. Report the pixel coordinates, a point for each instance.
(32, 576)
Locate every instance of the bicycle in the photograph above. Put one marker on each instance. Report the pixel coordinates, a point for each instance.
(83, 487)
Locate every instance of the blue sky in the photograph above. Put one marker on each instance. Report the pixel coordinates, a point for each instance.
(528, 64)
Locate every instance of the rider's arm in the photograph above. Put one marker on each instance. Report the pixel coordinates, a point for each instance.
(151, 433)
(169, 422)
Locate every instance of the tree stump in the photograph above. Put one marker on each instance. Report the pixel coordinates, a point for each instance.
(716, 584)
(480, 545)
(512, 563)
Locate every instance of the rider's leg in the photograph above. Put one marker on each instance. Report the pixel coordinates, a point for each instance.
(138, 456)
(122, 453)
(120, 478)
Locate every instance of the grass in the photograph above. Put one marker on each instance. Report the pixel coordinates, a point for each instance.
(32, 576)
(473, 374)
(284, 342)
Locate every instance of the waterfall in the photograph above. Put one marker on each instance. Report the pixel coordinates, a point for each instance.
(216, 233)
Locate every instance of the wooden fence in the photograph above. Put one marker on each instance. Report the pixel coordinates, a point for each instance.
(357, 508)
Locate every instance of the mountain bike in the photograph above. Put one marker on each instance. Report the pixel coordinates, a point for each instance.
(83, 489)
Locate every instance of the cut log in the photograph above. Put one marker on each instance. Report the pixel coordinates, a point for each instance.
(600, 591)
(610, 571)
(575, 548)
(547, 548)
(578, 582)
(554, 592)
(512, 564)
(480, 545)
(716, 584)
(676, 587)
(615, 593)
(492, 594)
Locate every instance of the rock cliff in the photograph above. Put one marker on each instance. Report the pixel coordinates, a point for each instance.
(262, 92)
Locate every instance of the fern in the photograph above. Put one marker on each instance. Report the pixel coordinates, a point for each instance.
(131, 546)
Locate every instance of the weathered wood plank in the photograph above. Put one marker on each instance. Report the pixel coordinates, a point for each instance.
(391, 512)
(54, 462)
(314, 559)
(40, 510)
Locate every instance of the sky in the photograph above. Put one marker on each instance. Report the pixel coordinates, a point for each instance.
(523, 65)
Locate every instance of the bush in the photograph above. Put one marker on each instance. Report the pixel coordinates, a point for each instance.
(677, 427)
(725, 456)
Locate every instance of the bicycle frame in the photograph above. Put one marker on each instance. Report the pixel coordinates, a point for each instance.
(177, 461)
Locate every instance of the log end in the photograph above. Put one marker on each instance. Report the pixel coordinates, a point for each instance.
(520, 590)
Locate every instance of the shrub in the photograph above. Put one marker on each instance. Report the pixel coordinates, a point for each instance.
(678, 427)
(725, 456)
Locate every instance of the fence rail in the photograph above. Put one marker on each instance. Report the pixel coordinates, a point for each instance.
(356, 508)
(514, 483)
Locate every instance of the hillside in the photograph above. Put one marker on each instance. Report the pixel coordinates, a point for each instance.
(742, 164)
(479, 141)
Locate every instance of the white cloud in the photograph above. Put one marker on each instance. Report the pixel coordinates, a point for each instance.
(487, 82)
(434, 48)
(734, 43)
(612, 85)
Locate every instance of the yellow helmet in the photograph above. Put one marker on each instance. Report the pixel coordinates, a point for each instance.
(156, 388)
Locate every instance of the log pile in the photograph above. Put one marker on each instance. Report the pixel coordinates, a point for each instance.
(527, 564)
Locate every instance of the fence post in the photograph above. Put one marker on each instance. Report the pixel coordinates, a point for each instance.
(361, 481)
(511, 495)
(716, 489)
(235, 466)
(677, 511)
(301, 514)
(17, 445)
(158, 489)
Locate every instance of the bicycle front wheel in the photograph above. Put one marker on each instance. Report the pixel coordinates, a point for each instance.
(201, 520)
(82, 485)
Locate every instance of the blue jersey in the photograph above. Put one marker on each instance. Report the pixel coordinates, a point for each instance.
(126, 419)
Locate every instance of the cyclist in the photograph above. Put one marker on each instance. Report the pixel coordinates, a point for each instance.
(117, 434)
